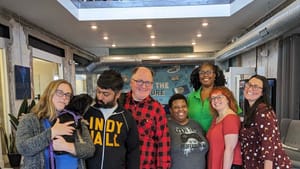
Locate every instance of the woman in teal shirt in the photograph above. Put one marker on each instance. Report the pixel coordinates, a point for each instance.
(203, 79)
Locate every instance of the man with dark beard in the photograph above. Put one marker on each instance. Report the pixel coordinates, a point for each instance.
(112, 128)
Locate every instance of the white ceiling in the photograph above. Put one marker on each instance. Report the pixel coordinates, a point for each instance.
(53, 17)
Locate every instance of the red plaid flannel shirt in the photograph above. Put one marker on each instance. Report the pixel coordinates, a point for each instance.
(153, 132)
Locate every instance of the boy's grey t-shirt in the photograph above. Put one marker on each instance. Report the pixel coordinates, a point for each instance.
(188, 145)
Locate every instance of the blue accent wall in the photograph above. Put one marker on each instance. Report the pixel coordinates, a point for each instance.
(168, 80)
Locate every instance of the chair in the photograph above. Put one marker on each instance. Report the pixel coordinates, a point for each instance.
(289, 130)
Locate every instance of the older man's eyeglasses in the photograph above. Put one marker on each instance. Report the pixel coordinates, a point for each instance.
(141, 82)
(60, 93)
(253, 86)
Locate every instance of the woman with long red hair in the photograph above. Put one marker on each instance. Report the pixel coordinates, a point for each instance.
(225, 150)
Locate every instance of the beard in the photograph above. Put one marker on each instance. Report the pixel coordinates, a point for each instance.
(107, 105)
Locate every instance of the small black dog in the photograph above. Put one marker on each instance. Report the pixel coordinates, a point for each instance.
(74, 111)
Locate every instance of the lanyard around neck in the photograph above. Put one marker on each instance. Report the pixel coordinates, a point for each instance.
(51, 152)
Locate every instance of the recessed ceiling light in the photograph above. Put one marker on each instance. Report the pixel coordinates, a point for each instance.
(105, 37)
(191, 56)
(193, 43)
(154, 57)
(113, 45)
(149, 26)
(94, 27)
(153, 44)
(204, 24)
(199, 35)
(116, 58)
(152, 36)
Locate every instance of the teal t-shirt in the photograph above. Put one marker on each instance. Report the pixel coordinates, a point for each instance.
(199, 110)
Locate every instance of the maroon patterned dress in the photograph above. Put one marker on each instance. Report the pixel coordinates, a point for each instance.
(261, 141)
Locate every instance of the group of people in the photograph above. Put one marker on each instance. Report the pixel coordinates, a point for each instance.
(132, 130)
(253, 143)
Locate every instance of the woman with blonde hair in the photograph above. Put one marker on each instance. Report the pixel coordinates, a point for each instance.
(40, 133)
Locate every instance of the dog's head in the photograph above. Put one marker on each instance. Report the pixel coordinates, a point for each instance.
(74, 112)
(80, 103)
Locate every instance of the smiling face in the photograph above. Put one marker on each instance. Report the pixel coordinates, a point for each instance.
(179, 111)
(62, 96)
(141, 83)
(219, 102)
(253, 90)
(207, 75)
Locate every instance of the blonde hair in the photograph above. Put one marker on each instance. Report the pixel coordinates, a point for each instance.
(45, 107)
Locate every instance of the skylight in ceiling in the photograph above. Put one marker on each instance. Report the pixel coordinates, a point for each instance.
(91, 13)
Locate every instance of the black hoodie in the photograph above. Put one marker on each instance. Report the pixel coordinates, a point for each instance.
(116, 140)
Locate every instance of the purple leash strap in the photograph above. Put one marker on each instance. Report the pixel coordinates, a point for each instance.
(76, 117)
(51, 151)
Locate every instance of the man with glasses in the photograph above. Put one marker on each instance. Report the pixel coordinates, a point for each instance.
(151, 121)
(112, 128)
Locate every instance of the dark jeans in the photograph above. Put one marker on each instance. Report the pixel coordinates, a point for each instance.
(234, 166)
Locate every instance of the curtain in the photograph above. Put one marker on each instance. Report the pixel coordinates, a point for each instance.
(288, 81)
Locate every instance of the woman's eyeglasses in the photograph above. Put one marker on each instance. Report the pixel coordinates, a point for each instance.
(253, 86)
(217, 98)
(60, 93)
(208, 73)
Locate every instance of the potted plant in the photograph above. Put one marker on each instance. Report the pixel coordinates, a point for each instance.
(13, 156)
(10, 139)
(24, 109)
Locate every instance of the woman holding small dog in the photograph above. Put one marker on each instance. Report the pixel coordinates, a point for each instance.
(38, 138)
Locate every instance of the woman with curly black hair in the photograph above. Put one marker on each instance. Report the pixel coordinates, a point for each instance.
(203, 79)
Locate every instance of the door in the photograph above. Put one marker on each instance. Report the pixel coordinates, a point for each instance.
(46, 67)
